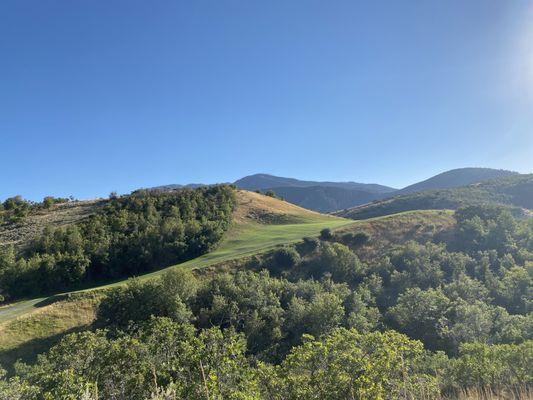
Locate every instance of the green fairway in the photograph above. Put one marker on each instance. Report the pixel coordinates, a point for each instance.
(242, 240)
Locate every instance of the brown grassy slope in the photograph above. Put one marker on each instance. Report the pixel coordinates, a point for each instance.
(21, 233)
(27, 336)
(391, 230)
(258, 208)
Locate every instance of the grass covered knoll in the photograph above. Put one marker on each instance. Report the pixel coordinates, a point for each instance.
(24, 337)
(515, 192)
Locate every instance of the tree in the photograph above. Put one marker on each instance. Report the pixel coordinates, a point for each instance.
(515, 290)
(419, 314)
(350, 365)
(340, 261)
(139, 301)
(283, 259)
(326, 234)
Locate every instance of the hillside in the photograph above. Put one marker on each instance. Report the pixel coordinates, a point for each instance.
(334, 196)
(456, 178)
(31, 326)
(314, 195)
(325, 198)
(371, 293)
(515, 191)
(19, 234)
(259, 223)
(265, 181)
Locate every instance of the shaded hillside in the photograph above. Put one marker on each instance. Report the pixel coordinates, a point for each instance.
(456, 178)
(265, 181)
(324, 198)
(514, 191)
(333, 196)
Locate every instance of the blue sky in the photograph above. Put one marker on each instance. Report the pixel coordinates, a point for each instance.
(109, 95)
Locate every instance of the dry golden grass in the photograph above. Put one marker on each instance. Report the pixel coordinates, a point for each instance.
(32, 333)
(395, 229)
(19, 234)
(255, 207)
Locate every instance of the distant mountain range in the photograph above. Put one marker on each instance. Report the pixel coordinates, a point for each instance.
(265, 181)
(335, 196)
(514, 191)
(456, 178)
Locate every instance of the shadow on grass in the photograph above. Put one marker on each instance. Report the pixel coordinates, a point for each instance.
(51, 300)
(29, 351)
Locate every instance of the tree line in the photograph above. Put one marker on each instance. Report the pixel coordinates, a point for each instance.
(130, 235)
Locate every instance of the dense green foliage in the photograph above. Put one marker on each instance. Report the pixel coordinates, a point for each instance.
(128, 236)
(515, 192)
(14, 209)
(312, 321)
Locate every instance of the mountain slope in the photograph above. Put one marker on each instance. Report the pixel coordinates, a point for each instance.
(515, 191)
(333, 196)
(265, 181)
(456, 178)
(324, 198)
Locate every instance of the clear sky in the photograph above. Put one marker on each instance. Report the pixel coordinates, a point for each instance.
(102, 95)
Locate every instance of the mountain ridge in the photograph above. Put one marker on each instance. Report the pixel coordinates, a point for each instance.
(514, 192)
(263, 181)
(329, 196)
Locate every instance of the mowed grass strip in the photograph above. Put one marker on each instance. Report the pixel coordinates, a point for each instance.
(30, 327)
(245, 238)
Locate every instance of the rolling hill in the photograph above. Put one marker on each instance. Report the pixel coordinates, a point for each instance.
(333, 196)
(514, 191)
(259, 224)
(456, 178)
